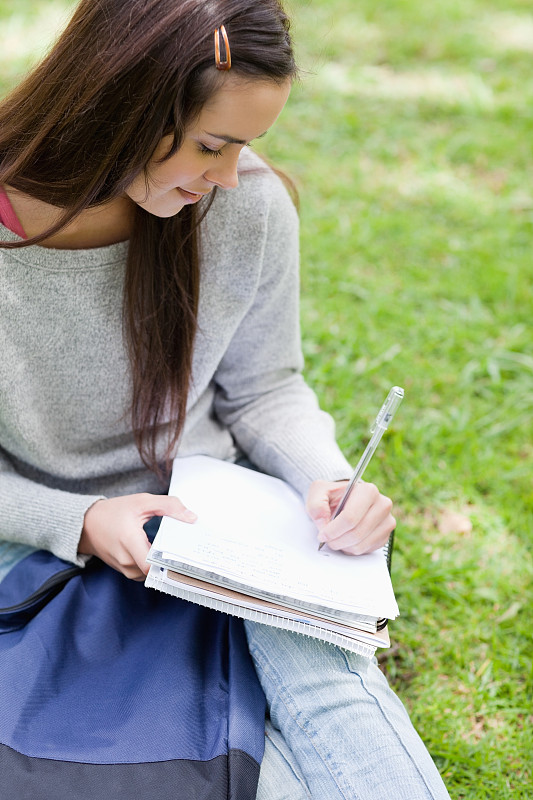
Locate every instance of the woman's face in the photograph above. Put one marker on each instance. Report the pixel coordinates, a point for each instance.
(240, 111)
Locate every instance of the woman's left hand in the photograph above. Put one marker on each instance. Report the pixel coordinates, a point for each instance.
(364, 524)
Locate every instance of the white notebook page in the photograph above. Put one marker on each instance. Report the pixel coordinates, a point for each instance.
(253, 529)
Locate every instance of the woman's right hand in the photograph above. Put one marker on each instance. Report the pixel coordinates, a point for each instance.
(113, 529)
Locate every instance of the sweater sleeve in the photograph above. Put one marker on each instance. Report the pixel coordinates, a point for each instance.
(34, 514)
(272, 413)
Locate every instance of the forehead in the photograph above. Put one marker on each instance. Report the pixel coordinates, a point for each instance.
(243, 109)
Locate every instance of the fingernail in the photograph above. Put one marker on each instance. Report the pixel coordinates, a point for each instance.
(189, 516)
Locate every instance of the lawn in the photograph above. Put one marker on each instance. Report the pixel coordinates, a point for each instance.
(410, 139)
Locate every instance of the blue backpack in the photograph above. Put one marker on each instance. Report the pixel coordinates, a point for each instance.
(109, 689)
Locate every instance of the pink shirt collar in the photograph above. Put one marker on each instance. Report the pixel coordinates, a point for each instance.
(8, 218)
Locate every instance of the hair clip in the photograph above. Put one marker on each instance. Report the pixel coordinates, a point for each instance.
(226, 63)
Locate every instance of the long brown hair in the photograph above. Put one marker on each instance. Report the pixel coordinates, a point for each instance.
(87, 120)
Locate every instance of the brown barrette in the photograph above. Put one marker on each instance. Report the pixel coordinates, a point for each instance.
(223, 64)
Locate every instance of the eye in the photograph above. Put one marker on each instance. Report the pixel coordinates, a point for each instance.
(208, 151)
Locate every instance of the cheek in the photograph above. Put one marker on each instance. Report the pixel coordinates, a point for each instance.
(180, 170)
(173, 172)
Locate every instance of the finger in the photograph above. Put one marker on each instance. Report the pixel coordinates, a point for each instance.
(163, 505)
(361, 499)
(138, 548)
(372, 532)
(362, 541)
(378, 538)
(134, 574)
(378, 515)
(125, 564)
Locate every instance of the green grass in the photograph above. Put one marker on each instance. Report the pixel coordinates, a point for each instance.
(410, 138)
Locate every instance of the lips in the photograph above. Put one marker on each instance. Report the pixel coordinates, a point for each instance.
(191, 197)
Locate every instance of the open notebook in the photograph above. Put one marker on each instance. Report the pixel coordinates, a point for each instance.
(253, 552)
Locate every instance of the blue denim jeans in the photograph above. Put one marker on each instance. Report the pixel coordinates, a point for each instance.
(336, 729)
(10, 554)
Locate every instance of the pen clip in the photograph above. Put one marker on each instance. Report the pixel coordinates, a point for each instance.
(388, 409)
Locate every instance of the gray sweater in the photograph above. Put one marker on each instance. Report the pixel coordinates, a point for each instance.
(65, 431)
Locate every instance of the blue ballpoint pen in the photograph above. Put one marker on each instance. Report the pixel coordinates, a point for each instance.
(386, 413)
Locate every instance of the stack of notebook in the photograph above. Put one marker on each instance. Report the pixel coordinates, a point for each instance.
(253, 553)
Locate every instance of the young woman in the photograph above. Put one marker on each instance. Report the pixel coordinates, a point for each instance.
(148, 312)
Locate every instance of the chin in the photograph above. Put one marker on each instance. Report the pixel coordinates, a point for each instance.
(164, 211)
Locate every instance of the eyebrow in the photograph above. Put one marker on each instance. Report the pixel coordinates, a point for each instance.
(232, 139)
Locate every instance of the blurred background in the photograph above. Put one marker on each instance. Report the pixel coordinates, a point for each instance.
(410, 139)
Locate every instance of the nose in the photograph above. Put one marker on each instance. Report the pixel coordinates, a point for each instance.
(224, 172)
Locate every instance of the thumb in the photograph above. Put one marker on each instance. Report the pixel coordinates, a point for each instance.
(169, 506)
